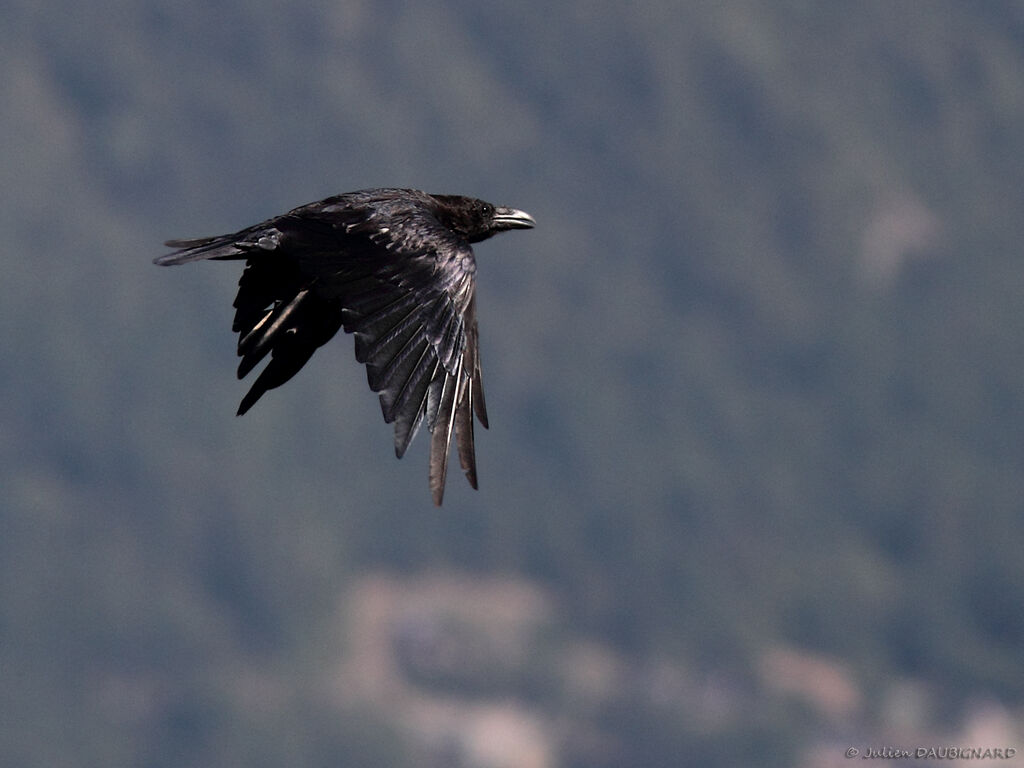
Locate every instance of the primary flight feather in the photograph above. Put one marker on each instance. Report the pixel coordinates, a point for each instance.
(393, 267)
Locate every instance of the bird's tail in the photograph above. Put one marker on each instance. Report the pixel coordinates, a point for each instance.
(219, 247)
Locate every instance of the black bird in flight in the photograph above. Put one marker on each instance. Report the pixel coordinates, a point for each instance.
(395, 268)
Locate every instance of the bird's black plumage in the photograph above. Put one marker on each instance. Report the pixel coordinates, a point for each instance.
(394, 267)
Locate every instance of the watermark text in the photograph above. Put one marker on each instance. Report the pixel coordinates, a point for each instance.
(931, 753)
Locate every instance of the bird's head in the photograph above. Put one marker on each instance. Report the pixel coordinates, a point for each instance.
(477, 220)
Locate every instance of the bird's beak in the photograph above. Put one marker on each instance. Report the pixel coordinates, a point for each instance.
(510, 218)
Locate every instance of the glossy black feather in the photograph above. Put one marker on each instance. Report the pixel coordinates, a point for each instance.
(395, 268)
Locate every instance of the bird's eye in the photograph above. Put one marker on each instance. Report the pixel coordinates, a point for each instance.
(487, 209)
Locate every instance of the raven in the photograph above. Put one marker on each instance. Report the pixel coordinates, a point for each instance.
(395, 268)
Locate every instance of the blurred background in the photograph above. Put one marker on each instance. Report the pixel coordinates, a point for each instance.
(753, 488)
